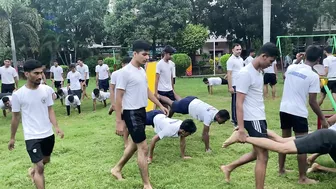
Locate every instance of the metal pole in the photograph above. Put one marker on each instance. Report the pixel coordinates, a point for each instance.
(214, 57)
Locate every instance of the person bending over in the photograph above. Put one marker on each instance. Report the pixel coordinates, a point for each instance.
(101, 96)
(72, 101)
(214, 81)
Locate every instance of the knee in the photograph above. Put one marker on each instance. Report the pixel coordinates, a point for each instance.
(39, 169)
(143, 148)
(46, 160)
(263, 156)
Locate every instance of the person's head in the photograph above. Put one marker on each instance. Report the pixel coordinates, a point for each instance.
(72, 67)
(252, 52)
(328, 50)
(100, 61)
(141, 51)
(7, 62)
(71, 98)
(222, 116)
(6, 102)
(80, 61)
(168, 52)
(267, 54)
(55, 63)
(313, 54)
(125, 61)
(236, 49)
(187, 128)
(205, 81)
(33, 71)
(96, 92)
(60, 92)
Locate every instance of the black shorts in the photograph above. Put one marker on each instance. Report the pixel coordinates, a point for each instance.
(86, 82)
(322, 141)
(40, 148)
(256, 128)
(78, 93)
(58, 84)
(136, 123)
(103, 84)
(7, 88)
(270, 78)
(224, 81)
(332, 87)
(169, 94)
(299, 124)
(150, 116)
(182, 106)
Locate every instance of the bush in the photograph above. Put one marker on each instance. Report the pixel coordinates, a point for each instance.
(201, 63)
(91, 62)
(182, 62)
(65, 69)
(110, 61)
(211, 63)
(223, 59)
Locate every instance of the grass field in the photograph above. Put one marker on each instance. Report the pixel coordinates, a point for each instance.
(83, 159)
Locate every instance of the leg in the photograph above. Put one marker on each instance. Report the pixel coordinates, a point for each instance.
(316, 167)
(125, 137)
(260, 167)
(177, 97)
(142, 163)
(233, 106)
(282, 157)
(311, 159)
(128, 153)
(38, 175)
(166, 100)
(273, 91)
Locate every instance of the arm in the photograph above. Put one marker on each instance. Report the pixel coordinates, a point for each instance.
(16, 82)
(276, 70)
(229, 78)
(172, 81)
(156, 101)
(316, 108)
(210, 89)
(120, 126)
(68, 86)
(14, 127)
(68, 110)
(94, 104)
(53, 120)
(85, 76)
(182, 147)
(155, 139)
(240, 115)
(4, 113)
(97, 76)
(112, 88)
(51, 75)
(157, 77)
(205, 137)
(326, 69)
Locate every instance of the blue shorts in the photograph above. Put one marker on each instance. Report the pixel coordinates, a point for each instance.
(150, 116)
(168, 94)
(182, 106)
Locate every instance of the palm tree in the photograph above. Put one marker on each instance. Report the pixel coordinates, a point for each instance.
(266, 21)
(22, 22)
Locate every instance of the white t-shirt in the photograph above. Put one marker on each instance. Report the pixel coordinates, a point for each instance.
(102, 71)
(165, 126)
(250, 82)
(333, 127)
(173, 68)
(248, 60)
(74, 80)
(102, 96)
(57, 72)
(134, 81)
(165, 70)
(214, 81)
(2, 105)
(302, 61)
(65, 92)
(8, 74)
(50, 90)
(114, 77)
(82, 70)
(75, 103)
(271, 68)
(202, 111)
(330, 62)
(33, 105)
(234, 64)
(300, 81)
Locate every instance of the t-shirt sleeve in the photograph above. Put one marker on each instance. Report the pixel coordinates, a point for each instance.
(229, 65)
(325, 63)
(113, 78)
(243, 82)
(15, 103)
(314, 86)
(15, 74)
(86, 70)
(61, 69)
(173, 70)
(165, 133)
(67, 103)
(93, 96)
(207, 121)
(78, 102)
(122, 80)
(52, 69)
(68, 75)
(158, 68)
(50, 92)
(96, 69)
(107, 68)
(210, 82)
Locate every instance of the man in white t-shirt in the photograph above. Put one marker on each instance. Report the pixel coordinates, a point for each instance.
(233, 66)
(6, 104)
(167, 127)
(214, 81)
(9, 77)
(301, 82)
(250, 58)
(83, 69)
(329, 64)
(251, 112)
(74, 102)
(102, 75)
(56, 73)
(35, 104)
(62, 93)
(270, 78)
(101, 96)
(198, 110)
(74, 85)
(131, 101)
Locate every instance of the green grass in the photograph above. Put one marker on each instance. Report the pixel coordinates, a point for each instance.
(83, 159)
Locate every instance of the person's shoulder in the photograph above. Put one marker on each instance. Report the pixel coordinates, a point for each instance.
(20, 91)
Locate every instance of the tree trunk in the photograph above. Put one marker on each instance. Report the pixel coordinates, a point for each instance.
(13, 45)
(266, 21)
(154, 48)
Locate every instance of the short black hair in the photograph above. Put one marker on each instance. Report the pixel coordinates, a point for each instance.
(96, 92)
(140, 45)
(252, 50)
(205, 79)
(60, 92)
(328, 49)
(313, 53)
(79, 59)
(72, 66)
(169, 49)
(71, 98)
(189, 126)
(269, 49)
(56, 60)
(31, 65)
(126, 60)
(235, 45)
(224, 114)
(5, 99)
(100, 58)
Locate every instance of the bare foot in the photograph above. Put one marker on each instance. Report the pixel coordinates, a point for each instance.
(307, 181)
(313, 168)
(116, 174)
(147, 187)
(285, 171)
(31, 173)
(231, 140)
(226, 172)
